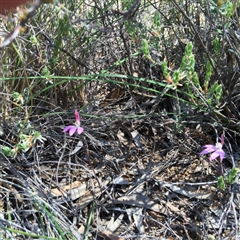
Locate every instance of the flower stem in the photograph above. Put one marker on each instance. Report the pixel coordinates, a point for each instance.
(221, 168)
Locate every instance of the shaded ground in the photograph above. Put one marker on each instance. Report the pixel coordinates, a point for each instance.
(142, 178)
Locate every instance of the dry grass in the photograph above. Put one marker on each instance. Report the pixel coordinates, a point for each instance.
(135, 172)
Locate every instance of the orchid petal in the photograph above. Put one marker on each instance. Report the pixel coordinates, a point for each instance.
(222, 138)
(80, 130)
(208, 150)
(221, 154)
(209, 146)
(77, 116)
(214, 156)
(67, 128)
(72, 131)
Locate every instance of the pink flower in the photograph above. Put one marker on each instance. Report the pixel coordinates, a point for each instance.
(216, 149)
(76, 127)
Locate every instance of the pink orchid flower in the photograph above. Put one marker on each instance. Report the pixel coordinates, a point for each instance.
(216, 149)
(76, 127)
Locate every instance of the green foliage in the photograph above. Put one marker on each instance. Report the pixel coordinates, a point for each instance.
(222, 7)
(27, 135)
(221, 183)
(7, 151)
(214, 92)
(231, 176)
(145, 48)
(18, 98)
(228, 179)
(216, 46)
(157, 19)
(47, 74)
(165, 69)
(185, 80)
(229, 10)
(90, 217)
(211, 237)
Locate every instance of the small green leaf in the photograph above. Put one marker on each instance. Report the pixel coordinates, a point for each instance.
(195, 80)
(229, 9)
(191, 63)
(211, 237)
(130, 28)
(176, 76)
(183, 63)
(165, 69)
(208, 74)
(38, 136)
(7, 151)
(145, 48)
(25, 146)
(188, 48)
(221, 183)
(232, 175)
(17, 97)
(219, 92)
(157, 18)
(216, 46)
(213, 88)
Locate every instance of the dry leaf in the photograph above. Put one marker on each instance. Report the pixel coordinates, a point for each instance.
(111, 236)
(114, 224)
(140, 200)
(77, 185)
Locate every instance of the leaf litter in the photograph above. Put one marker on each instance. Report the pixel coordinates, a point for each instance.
(145, 176)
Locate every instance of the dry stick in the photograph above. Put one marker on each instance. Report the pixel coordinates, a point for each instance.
(91, 165)
(231, 205)
(230, 122)
(52, 45)
(235, 189)
(221, 168)
(200, 39)
(130, 12)
(127, 16)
